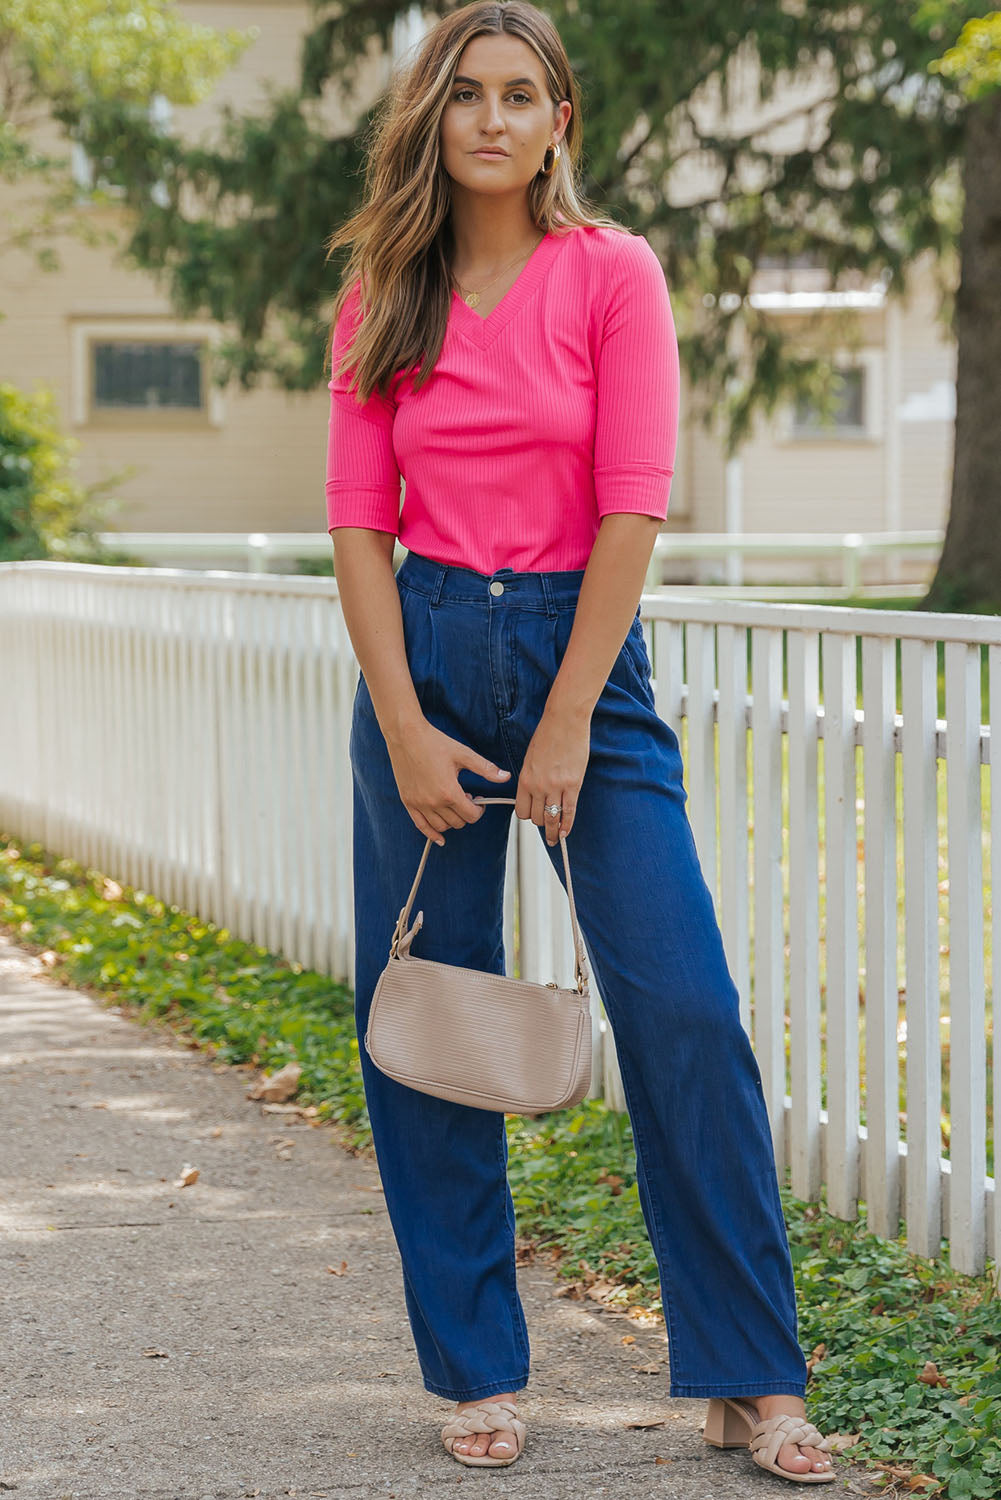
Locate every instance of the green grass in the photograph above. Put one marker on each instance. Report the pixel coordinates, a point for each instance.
(872, 1315)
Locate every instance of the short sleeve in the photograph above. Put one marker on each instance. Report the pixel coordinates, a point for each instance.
(638, 386)
(363, 479)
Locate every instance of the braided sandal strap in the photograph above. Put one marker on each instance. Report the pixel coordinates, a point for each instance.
(773, 1433)
(488, 1416)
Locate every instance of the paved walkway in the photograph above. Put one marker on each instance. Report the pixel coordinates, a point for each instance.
(188, 1342)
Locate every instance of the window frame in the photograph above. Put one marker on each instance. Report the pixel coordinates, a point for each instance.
(86, 332)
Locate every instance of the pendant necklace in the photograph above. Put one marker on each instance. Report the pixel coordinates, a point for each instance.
(472, 299)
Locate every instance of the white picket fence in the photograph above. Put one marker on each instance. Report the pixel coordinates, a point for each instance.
(187, 733)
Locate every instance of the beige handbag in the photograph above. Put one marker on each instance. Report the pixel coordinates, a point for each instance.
(483, 1039)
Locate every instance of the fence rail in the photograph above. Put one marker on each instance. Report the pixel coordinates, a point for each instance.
(187, 733)
(260, 551)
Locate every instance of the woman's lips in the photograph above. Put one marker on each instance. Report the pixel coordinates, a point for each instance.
(498, 154)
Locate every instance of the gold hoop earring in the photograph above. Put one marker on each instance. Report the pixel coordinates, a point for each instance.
(548, 171)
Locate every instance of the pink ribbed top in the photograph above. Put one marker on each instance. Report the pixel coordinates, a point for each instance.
(557, 408)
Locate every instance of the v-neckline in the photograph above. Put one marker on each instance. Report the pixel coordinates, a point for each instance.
(483, 331)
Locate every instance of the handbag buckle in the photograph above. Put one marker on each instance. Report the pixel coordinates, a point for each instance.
(402, 944)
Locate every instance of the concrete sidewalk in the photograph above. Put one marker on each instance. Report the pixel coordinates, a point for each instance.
(189, 1342)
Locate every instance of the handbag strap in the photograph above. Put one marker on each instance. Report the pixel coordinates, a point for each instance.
(402, 938)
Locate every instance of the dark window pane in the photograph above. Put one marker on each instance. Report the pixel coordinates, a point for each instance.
(147, 375)
(849, 409)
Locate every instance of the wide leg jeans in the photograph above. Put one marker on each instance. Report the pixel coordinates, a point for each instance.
(483, 653)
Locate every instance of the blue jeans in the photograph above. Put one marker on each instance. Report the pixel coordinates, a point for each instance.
(482, 663)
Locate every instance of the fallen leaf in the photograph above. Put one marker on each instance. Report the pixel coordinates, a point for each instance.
(930, 1375)
(647, 1369)
(156, 1354)
(651, 1422)
(338, 1270)
(189, 1175)
(658, 1460)
(615, 1183)
(912, 1481)
(841, 1440)
(642, 1315)
(627, 1338)
(217, 1132)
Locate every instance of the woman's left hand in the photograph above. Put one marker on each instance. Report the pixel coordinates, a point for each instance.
(553, 770)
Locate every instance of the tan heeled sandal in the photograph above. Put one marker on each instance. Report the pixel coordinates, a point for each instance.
(486, 1416)
(732, 1423)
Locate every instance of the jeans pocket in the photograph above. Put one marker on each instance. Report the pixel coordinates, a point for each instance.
(635, 652)
(420, 645)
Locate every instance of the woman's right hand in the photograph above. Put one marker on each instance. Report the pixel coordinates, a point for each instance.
(426, 763)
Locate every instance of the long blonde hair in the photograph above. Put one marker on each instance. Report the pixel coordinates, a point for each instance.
(401, 235)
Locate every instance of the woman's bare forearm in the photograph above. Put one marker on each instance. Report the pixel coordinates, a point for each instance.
(609, 594)
(363, 567)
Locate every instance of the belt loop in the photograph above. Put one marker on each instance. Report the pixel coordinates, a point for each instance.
(547, 590)
(438, 584)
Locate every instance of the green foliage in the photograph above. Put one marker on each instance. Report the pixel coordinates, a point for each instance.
(78, 57)
(873, 1314)
(882, 1315)
(76, 51)
(573, 1181)
(44, 511)
(975, 60)
(314, 567)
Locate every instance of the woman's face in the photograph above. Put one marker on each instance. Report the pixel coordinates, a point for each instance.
(499, 99)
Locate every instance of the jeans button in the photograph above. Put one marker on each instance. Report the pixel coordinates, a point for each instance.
(496, 587)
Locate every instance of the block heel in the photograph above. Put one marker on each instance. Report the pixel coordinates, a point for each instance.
(732, 1423)
(724, 1427)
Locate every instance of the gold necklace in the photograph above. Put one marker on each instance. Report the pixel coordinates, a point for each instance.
(472, 299)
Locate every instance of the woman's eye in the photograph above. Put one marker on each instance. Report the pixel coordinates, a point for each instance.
(460, 93)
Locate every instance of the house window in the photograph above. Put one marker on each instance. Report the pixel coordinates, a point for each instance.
(848, 418)
(144, 371)
(135, 374)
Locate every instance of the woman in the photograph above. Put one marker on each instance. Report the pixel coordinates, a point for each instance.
(515, 359)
